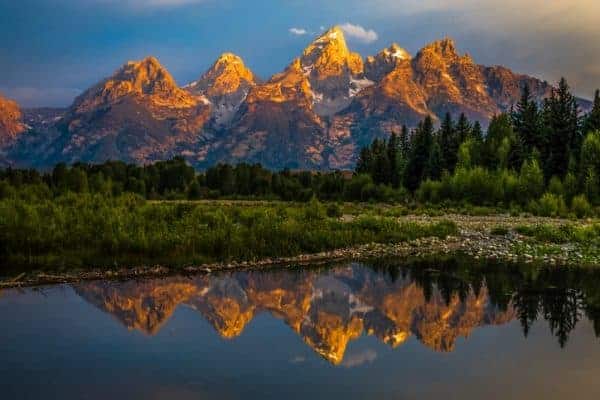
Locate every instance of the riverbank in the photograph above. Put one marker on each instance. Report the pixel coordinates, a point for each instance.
(530, 240)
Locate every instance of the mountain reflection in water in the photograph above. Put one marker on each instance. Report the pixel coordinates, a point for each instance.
(328, 308)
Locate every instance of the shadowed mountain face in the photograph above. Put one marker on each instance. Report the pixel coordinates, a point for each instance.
(316, 114)
(328, 310)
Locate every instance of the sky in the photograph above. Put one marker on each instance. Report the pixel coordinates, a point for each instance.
(52, 50)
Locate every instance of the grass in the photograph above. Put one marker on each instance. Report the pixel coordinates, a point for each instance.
(561, 233)
(85, 230)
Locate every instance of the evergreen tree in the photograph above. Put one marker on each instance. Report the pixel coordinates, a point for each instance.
(590, 163)
(434, 164)
(527, 123)
(404, 142)
(364, 165)
(561, 120)
(477, 132)
(517, 153)
(592, 120)
(418, 161)
(381, 162)
(393, 154)
(501, 147)
(448, 143)
(463, 129)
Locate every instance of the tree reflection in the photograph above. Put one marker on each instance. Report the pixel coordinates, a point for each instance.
(560, 296)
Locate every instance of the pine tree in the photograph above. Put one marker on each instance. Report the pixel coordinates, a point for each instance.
(394, 153)
(418, 161)
(592, 120)
(434, 164)
(448, 143)
(381, 162)
(477, 132)
(404, 142)
(364, 165)
(561, 119)
(463, 129)
(527, 123)
(518, 154)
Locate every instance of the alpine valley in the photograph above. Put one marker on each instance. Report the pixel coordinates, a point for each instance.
(316, 114)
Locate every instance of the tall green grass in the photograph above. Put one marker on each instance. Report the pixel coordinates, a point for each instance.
(80, 230)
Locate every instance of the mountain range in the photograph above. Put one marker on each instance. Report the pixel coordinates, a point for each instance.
(316, 114)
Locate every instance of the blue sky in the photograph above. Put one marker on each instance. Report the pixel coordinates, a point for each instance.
(51, 50)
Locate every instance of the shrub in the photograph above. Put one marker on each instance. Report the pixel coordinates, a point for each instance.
(429, 192)
(581, 207)
(555, 186)
(551, 205)
(531, 180)
(334, 210)
(314, 210)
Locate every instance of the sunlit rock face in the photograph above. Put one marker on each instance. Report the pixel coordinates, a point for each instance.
(328, 310)
(11, 121)
(226, 85)
(139, 114)
(452, 82)
(378, 66)
(276, 125)
(336, 74)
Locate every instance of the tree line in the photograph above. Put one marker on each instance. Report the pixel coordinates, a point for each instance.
(542, 157)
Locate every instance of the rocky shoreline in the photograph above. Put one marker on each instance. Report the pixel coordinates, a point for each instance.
(475, 239)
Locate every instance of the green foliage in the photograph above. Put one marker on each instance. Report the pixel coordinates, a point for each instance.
(334, 210)
(592, 120)
(531, 180)
(591, 186)
(555, 186)
(562, 233)
(551, 205)
(526, 120)
(419, 157)
(561, 124)
(91, 230)
(581, 207)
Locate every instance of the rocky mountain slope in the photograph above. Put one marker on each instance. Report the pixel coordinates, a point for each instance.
(226, 84)
(316, 114)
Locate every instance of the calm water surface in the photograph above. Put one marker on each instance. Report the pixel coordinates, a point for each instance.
(352, 331)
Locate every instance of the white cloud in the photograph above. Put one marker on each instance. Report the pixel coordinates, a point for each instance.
(298, 31)
(359, 33)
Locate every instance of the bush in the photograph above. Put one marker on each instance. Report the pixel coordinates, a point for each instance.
(581, 207)
(430, 191)
(531, 180)
(555, 186)
(334, 211)
(551, 205)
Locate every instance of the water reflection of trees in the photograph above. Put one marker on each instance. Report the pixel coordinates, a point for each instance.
(559, 296)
